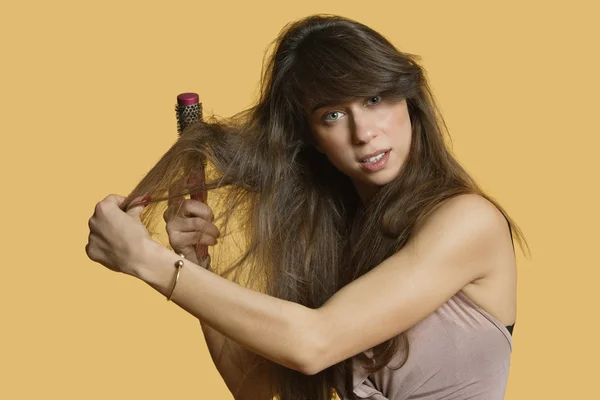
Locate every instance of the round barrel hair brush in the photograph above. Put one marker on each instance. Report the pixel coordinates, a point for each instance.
(188, 111)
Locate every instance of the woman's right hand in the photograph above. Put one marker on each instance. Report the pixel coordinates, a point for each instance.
(190, 224)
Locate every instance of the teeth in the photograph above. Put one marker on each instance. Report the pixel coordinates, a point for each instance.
(374, 159)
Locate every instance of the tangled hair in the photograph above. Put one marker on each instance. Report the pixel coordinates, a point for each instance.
(306, 232)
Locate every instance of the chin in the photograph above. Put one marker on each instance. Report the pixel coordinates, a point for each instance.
(385, 176)
(383, 180)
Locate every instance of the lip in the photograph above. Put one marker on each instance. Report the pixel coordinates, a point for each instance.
(378, 152)
(377, 165)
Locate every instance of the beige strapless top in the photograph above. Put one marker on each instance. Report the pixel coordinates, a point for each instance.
(458, 352)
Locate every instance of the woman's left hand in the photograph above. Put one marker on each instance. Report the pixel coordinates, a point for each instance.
(118, 239)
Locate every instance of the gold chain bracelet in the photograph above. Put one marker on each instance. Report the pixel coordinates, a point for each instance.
(178, 265)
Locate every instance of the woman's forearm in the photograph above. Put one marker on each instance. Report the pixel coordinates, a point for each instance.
(278, 330)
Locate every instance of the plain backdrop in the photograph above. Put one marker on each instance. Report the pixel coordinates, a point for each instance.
(87, 95)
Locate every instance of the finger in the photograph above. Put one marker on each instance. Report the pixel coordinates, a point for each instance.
(196, 224)
(183, 226)
(195, 208)
(114, 198)
(138, 201)
(184, 239)
(175, 200)
(174, 209)
(168, 214)
(136, 207)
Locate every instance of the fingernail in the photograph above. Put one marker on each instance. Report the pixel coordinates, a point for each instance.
(145, 199)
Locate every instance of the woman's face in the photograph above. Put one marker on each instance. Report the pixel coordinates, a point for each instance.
(366, 139)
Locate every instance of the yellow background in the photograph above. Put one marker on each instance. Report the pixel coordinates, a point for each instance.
(87, 92)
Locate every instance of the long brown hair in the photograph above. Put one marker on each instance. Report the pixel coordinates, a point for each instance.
(306, 232)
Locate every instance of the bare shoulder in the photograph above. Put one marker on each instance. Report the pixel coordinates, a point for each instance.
(474, 227)
(495, 289)
(474, 205)
(467, 212)
(478, 214)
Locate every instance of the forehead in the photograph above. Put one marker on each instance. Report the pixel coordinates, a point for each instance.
(319, 93)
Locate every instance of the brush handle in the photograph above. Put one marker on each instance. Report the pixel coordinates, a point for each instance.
(188, 111)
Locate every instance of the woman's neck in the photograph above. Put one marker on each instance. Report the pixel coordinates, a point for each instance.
(365, 192)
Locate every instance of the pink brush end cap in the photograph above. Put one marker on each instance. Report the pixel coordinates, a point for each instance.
(187, 99)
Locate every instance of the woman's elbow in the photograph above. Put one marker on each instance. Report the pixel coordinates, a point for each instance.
(311, 355)
(309, 363)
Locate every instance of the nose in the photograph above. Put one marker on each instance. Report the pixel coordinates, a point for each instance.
(365, 128)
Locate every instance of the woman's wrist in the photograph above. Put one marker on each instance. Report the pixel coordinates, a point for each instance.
(156, 266)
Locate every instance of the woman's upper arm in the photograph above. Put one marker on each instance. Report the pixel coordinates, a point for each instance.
(451, 248)
(256, 384)
(246, 374)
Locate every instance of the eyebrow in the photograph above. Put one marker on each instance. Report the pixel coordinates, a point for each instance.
(322, 105)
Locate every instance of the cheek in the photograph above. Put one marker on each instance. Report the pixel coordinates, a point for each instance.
(404, 141)
(407, 133)
(404, 129)
(338, 155)
(328, 145)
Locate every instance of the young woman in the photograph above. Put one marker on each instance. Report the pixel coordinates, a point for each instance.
(374, 266)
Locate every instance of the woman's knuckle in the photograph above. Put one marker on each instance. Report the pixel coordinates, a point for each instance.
(170, 231)
(175, 236)
(187, 206)
(198, 224)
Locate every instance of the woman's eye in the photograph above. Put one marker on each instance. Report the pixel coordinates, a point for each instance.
(333, 116)
(374, 100)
